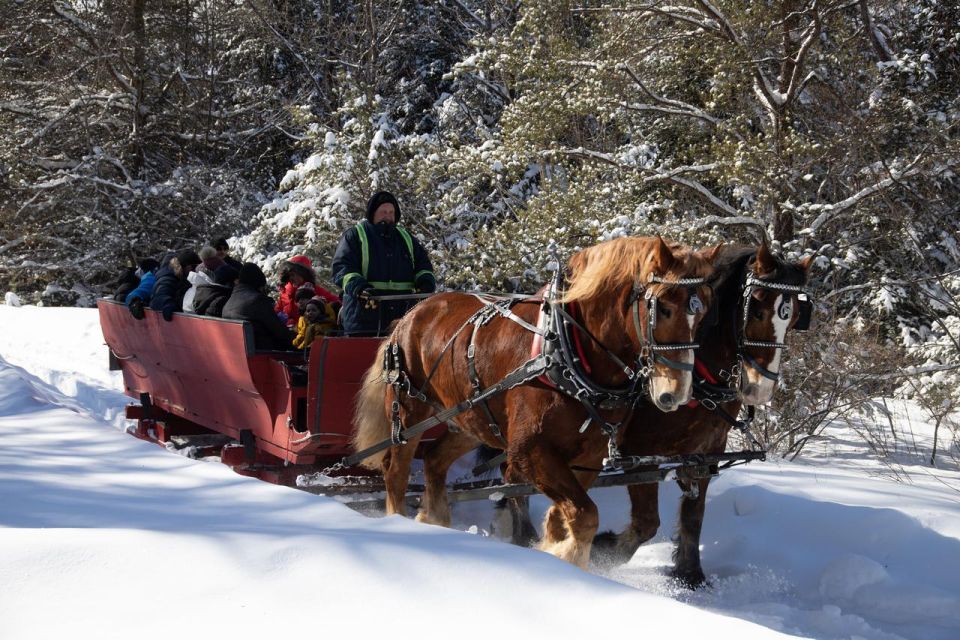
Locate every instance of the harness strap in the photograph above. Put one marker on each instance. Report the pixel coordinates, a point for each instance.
(502, 307)
(524, 373)
(756, 366)
(475, 383)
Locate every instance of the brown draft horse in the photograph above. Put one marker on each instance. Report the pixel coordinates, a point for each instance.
(756, 294)
(541, 427)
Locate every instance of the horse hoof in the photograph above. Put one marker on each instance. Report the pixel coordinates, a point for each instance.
(607, 552)
(692, 580)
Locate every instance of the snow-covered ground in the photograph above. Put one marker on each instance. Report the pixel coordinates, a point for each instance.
(105, 536)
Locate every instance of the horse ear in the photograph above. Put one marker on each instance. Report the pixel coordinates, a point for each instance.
(662, 257)
(710, 254)
(765, 262)
(806, 262)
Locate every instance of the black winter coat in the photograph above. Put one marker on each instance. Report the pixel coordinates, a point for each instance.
(390, 271)
(210, 299)
(168, 291)
(269, 332)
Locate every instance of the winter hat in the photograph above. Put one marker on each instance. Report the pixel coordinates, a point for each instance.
(220, 244)
(224, 275)
(305, 290)
(251, 275)
(379, 198)
(318, 301)
(188, 258)
(303, 266)
(147, 265)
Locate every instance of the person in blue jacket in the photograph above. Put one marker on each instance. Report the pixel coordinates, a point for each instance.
(378, 257)
(140, 297)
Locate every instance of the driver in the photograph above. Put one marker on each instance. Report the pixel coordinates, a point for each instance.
(378, 257)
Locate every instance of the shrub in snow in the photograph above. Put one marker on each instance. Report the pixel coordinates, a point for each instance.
(56, 296)
(11, 299)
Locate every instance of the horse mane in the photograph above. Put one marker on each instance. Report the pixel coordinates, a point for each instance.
(616, 265)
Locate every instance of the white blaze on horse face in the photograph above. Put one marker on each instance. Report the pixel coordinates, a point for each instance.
(672, 388)
(759, 389)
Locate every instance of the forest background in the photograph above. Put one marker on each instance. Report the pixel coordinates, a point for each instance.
(826, 127)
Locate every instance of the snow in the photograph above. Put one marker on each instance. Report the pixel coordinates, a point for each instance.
(103, 535)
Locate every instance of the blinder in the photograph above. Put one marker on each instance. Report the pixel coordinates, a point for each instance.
(712, 317)
(804, 312)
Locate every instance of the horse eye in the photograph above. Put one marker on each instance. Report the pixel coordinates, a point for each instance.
(664, 311)
(756, 312)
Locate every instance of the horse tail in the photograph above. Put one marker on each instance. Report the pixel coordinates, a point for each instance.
(482, 457)
(370, 422)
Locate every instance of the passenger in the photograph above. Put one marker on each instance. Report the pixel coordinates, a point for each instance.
(210, 298)
(140, 297)
(304, 293)
(126, 281)
(223, 252)
(377, 257)
(250, 302)
(318, 319)
(202, 275)
(296, 272)
(172, 283)
(211, 261)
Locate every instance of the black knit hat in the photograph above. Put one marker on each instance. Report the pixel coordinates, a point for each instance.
(252, 276)
(379, 198)
(188, 258)
(147, 265)
(225, 275)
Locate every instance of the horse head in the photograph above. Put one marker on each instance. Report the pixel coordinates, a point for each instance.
(648, 298)
(773, 302)
(676, 301)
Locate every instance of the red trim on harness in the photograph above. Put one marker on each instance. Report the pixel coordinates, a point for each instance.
(704, 372)
(536, 348)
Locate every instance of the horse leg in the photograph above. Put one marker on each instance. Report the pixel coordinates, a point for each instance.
(572, 508)
(686, 555)
(554, 525)
(610, 548)
(512, 521)
(396, 475)
(511, 516)
(435, 507)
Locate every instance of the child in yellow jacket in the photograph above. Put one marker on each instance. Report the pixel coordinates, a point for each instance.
(318, 319)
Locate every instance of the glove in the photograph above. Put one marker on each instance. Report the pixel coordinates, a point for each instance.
(136, 308)
(167, 313)
(284, 318)
(364, 297)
